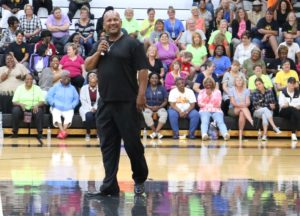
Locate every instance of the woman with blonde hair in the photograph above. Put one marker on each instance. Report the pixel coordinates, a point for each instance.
(209, 101)
(155, 64)
(239, 97)
(173, 26)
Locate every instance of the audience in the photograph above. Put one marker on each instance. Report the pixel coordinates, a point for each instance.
(159, 28)
(130, 24)
(283, 75)
(182, 105)
(156, 102)
(258, 73)
(170, 81)
(173, 26)
(75, 39)
(147, 26)
(89, 96)
(244, 49)
(62, 98)
(12, 8)
(155, 64)
(292, 27)
(38, 61)
(209, 101)
(46, 37)
(28, 101)
(255, 59)
(78, 4)
(9, 34)
(256, 13)
(48, 4)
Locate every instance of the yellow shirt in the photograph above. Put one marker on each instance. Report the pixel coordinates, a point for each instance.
(282, 77)
(145, 25)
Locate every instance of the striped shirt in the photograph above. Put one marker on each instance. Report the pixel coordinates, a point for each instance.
(85, 30)
(29, 26)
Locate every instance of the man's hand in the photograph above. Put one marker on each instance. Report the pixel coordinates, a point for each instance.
(140, 102)
(103, 46)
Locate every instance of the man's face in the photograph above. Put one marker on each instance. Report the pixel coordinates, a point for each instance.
(288, 39)
(112, 22)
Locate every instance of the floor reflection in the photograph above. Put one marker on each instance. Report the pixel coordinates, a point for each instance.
(235, 197)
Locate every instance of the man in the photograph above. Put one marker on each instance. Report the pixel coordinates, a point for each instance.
(12, 8)
(267, 30)
(130, 24)
(256, 13)
(293, 47)
(117, 61)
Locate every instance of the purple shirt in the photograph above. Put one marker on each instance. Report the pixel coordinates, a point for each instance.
(167, 56)
(52, 21)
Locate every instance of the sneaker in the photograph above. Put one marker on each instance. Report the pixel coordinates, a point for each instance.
(226, 136)
(176, 136)
(87, 137)
(205, 137)
(264, 138)
(153, 135)
(60, 135)
(277, 130)
(159, 135)
(139, 188)
(294, 137)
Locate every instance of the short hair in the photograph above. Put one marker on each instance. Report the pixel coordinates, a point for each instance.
(164, 33)
(19, 32)
(283, 48)
(128, 10)
(71, 38)
(236, 62)
(171, 9)
(246, 33)
(178, 79)
(149, 10)
(74, 46)
(257, 65)
(46, 33)
(53, 57)
(208, 63)
(285, 61)
(258, 79)
(222, 48)
(11, 20)
(55, 9)
(210, 79)
(187, 54)
(26, 6)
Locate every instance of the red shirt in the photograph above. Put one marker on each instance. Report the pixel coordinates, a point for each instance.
(51, 48)
(74, 67)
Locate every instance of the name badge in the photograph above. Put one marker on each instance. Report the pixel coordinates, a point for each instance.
(173, 35)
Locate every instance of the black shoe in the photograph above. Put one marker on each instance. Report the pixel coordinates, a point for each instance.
(14, 135)
(104, 193)
(40, 136)
(191, 136)
(139, 188)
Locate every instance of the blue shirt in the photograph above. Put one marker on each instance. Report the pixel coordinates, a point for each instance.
(62, 97)
(177, 28)
(201, 77)
(222, 64)
(157, 97)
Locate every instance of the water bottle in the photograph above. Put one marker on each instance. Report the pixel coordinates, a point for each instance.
(48, 134)
(1, 127)
(259, 134)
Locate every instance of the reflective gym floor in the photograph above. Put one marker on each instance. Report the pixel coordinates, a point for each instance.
(186, 177)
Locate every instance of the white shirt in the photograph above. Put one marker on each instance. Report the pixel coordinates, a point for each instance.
(293, 50)
(182, 100)
(293, 102)
(241, 53)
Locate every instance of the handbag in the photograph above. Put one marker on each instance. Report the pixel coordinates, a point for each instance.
(27, 117)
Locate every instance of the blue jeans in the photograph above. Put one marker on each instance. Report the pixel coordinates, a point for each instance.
(257, 42)
(218, 117)
(193, 116)
(87, 45)
(60, 43)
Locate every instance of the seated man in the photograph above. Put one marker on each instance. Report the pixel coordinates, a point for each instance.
(267, 30)
(28, 98)
(63, 98)
(12, 8)
(182, 105)
(130, 23)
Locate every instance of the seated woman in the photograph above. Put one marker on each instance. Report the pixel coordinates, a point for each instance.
(62, 98)
(209, 101)
(239, 97)
(9, 34)
(51, 75)
(172, 75)
(263, 102)
(73, 63)
(156, 102)
(289, 105)
(159, 28)
(167, 51)
(209, 72)
(255, 59)
(155, 64)
(244, 49)
(28, 97)
(46, 37)
(75, 39)
(39, 61)
(228, 82)
(258, 73)
(283, 75)
(182, 105)
(89, 96)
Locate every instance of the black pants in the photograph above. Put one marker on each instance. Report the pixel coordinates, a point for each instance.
(18, 115)
(116, 120)
(90, 119)
(73, 7)
(77, 82)
(293, 115)
(37, 4)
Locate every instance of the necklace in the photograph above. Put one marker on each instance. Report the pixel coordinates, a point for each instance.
(93, 89)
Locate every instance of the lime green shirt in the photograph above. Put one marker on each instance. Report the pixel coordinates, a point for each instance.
(265, 78)
(130, 26)
(198, 54)
(145, 25)
(29, 97)
(228, 36)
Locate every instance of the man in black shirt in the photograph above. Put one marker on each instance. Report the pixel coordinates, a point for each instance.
(118, 116)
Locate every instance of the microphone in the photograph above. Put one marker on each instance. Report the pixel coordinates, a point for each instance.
(104, 38)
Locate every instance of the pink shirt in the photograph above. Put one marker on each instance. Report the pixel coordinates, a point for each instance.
(200, 24)
(74, 67)
(242, 28)
(170, 80)
(210, 103)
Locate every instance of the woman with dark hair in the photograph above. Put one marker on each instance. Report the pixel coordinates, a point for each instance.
(46, 37)
(219, 13)
(244, 49)
(263, 102)
(221, 61)
(99, 26)
(239, 25)
(282, 11)
(75, 39)
(9, 34)
(156, 101)
(147, 26)
(38, 61)
(292, 26)
(158, 30)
